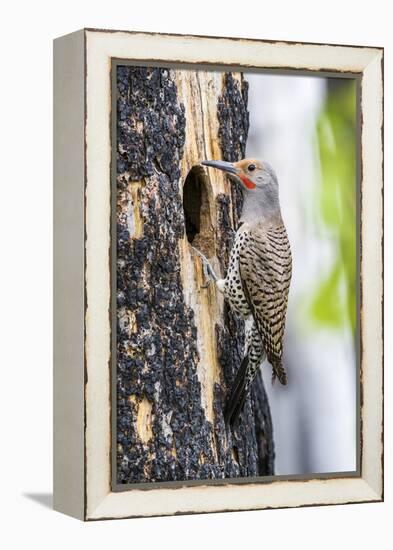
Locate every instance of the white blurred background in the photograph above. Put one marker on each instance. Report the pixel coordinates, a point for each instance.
(295, 125)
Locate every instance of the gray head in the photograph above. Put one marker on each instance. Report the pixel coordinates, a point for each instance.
(259, 186)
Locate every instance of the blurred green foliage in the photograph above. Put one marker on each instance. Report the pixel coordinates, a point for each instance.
(333, 301)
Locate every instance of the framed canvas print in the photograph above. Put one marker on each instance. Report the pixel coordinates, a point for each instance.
(218, 274)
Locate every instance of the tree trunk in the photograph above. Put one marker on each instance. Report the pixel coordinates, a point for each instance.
(178, 344)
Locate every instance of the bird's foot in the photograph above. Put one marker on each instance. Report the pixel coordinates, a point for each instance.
(208, 271)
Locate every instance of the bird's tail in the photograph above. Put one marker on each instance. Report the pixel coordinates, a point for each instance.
(279, 372)
(238, 395)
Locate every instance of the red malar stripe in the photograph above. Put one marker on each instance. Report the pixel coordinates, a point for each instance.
(248, 183)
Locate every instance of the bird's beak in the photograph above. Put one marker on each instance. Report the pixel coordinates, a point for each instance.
(221, 165)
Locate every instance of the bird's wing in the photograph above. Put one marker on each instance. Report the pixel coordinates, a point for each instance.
(266, 269)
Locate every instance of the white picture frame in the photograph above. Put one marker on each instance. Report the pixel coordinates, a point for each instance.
(82, 335)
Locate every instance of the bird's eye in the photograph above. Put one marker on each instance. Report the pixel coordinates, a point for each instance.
(251, 167)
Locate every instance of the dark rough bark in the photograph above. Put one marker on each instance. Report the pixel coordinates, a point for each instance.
(162, 430)
(232, 106)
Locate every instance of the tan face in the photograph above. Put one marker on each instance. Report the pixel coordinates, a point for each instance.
(259, 185)
(248, 171)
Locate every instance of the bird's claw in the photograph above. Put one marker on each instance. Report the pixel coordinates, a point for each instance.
(207, 284)
(207, 274)
(208, 271)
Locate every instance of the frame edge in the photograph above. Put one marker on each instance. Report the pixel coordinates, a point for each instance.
(68, 289)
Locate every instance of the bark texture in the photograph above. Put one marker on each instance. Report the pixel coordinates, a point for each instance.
(178, 344)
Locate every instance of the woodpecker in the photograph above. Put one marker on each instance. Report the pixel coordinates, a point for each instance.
(258, 277)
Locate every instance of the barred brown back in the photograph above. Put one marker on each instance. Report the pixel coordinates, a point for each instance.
(266, 269)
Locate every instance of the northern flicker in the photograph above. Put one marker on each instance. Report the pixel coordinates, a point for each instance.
(259, 274)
